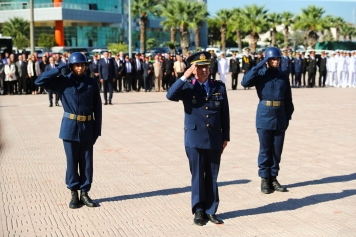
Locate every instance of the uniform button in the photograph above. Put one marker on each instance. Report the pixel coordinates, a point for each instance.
(207, 116)
(207, 125)
(206, 107)
(206, 99)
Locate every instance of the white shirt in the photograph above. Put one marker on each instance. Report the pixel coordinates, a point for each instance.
(223, 66)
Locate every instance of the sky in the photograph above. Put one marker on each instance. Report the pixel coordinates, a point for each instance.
(341, 8)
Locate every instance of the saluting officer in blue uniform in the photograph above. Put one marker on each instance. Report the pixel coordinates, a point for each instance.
(274, 111)
(286, 64)
(298, 69)
(207, 131)
(81, 123)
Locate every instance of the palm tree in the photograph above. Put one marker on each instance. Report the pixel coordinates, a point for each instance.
(141, 9)
(169, 15)
(347, 31)
(328, 24)
(223, 16)
(199, 17)
(255, 22)
(16, 26)
(237, 21)
(337, 22)
(311, 19)
(274, 19)
(287, 21)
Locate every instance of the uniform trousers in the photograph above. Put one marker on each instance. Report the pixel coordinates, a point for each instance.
(331, 78)
(311, 79)
(128, 81)
(212, 75)
(340, 78)
(223, 77)
(138, 81)
(352, 79)
(304, 84)
(167, 80)
(298, 78)
(50, 96)
(322, 77)
(79, 155)
(108, 87)
(204, 166)
(234, 80)
(271, 146)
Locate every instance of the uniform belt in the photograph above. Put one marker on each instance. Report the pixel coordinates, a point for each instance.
(81, 118)
(272, 103)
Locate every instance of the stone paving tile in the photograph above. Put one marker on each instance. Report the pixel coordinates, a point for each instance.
(142, 179)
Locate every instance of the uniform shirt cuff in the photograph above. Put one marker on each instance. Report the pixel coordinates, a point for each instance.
(183, 78)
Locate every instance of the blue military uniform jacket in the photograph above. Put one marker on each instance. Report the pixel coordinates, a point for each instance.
(271, 85)
(286, 65)
(79, 97)
(298, 65)
(207, 119)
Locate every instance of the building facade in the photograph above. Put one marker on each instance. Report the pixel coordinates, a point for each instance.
(84, 23)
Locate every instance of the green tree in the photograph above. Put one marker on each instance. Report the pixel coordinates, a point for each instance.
(150, 43)
(16, 26)
(199, 16)
(347, 31)
(213, 31)
(274, 19)
(311, 19)
(141, 9)
(115, 48)
(46, 41)
(328, 24)
(287, 21)
(20, 41)
(236, 22)
(337, 23)
(255, 19)
(169, 15)
(223, 16)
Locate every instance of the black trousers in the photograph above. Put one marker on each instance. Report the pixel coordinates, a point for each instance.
(22, 84)
(298, 76)
(10, 87)
(50, 96)
(234, 80)
(108, 84)
(311, 79)
(304, 84)
(147, 80)
(128, 81)
(138, 80)
(212, 75)
(322, 74)
(166, 80)
(119, 83)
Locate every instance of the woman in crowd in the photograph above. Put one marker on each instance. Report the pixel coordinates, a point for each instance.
(33, 70)
(10, 76)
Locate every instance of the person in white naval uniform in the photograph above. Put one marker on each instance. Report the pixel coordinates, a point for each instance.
(331, 66)
(352, 70)
(341, 68)
(223, 67)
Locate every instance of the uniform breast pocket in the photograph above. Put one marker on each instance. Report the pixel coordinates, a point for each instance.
(89, 93)
(190, 126)
(69, 90)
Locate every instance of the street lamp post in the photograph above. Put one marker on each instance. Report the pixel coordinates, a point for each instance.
(32, 37)
(129, 31)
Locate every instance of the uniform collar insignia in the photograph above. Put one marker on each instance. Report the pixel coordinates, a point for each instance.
(194, 81)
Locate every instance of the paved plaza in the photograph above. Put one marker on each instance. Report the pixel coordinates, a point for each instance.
(142, 178)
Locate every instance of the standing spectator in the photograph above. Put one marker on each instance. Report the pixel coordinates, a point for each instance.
(331, 66)
(64, 60)
(304, 67)
(33, 70)
(312, 63)
(107, 76)
(168, 72)
(43, 63)
(10, 76)
(291, 59)
(157, 68)
(120, 80)
(234, 68)
(2, 76)
(274, 110)
(119, 70)
(298, 69)
(50, 66)
(352, 70)
(147, 74)
(22, 75)
(322, 65)
(138, 69)
(57, 59)
(179, 67)
(286, 63)
(213, 65)
(128, 72)
(247, 63)
(4, 60)
(223, 67)
(94, 69)
(81, 124)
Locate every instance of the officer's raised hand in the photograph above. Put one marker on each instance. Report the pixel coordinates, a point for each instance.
(190, 71)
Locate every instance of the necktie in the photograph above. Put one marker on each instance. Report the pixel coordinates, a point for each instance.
(52, 66)
(180, 65)
(203, 88)
(128, 68)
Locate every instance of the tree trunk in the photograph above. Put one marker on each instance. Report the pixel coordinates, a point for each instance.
(143, 24)
(321, 36)
(286, 34)
(329, 35)
(238, 38)
(273, 37)
(305, 39)
(337, 34)
(223, 37)
(184, 39)
(253, 41)
(197, 37)
(173, 34)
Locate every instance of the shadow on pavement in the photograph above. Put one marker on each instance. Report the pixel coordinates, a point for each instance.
(332, 179)
(164, 192)
(290, 204)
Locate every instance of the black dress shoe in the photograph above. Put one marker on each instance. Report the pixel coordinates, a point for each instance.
(74, 202)
(86, 200)
(215, 219)
(266, 186)
(276, 185)
(105, 103)
(58, 105)
(110, 103)
(50, 105)
(200, 218)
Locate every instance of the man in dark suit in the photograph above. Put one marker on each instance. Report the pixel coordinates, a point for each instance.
(234, 68)
(147, 74)
(304, 67)
(168, 72)
(64, 61)
(207, 131)
(286, 63)
(312, 63)
(107, 76)
(213, 65)
(119, 69)
(94, 68)
(128, 72)
(322, 69)
(247, 63)
(298, 69)
(51, 65)
(138, 77)
(21, 71)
